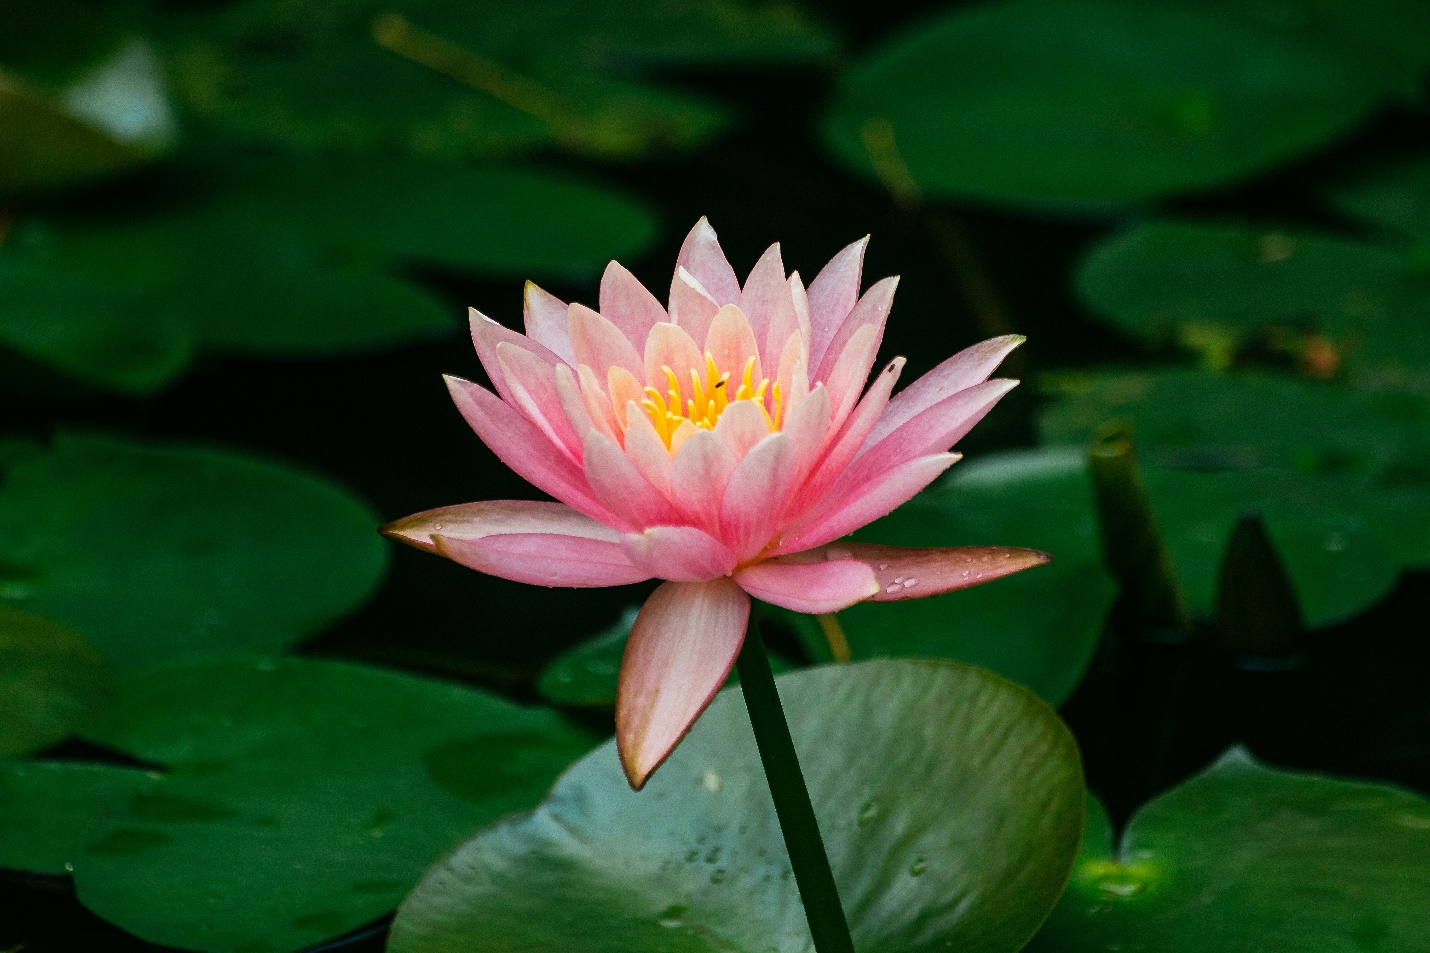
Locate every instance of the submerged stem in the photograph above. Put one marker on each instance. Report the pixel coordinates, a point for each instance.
(812, 873)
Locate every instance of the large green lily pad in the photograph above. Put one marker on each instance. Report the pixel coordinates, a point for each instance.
(950, 802)
(303, 797)
(1244, 858)
(51, 682)
(1339, 306)
(153, 553)
(1099, 102)
(49, 807)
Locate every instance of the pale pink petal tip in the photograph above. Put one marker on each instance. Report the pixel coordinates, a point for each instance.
(913, 573)
(680, 652)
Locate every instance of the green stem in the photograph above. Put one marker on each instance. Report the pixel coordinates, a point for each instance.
(812, 873)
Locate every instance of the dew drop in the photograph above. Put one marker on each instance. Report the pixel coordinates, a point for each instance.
(69, 867)
(918, 867)
(883, 566)
(672, 916)
(1121, 888)
(867, 813)
(910, 583)
(894, 587)
(898, 580)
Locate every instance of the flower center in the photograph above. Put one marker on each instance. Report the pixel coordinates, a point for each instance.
(705, 399)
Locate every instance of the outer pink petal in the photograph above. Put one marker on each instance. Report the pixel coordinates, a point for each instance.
(873, 308)
(487, 334)
(813, 587)
(679, 553)
(700, 255)
(599, 344)
(790, 316)
(702, 471)
(533, 389)
(912, 573)
(756, 495)
(631, 499)
(520, 445)
(762, 289)
(691, 306)
(851, 371)
(545, 316)
(680, 652)
(832, 295)
(545, 544)
(935, 429)
(966, 368)
(808, 429)
(842, 512)
(627, 304)
(843, 447)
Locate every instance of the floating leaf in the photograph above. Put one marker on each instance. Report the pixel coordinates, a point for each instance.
(1099, 102)
(51, 682)
(1395, 198)
(1338, 306)
(304, 797)
(49, 807)
(950, 824)
(153, 553)
(1246, 857)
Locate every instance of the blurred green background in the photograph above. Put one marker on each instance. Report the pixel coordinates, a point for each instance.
(238, 240)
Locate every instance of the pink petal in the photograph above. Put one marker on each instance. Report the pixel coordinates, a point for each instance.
(762, 289)
(873, 308)
(966, 368)
(545, 316)
(832, 295)
(813, 587)
(488, 334)
(851, 371)
(700, 255)
(520, 445)
(627, 304)
(599, 344)
(936, 429)
(756, 495)
(732, 343)
(911, 573)
(533, 389)
(679, 553)
(573, 405)
(691, 306)
(545, 544)
(808, 429)
(680, 652)
(622, 490)
(646, 450)
(598, 403)
(703, 465)
(741, 426)
(843, 511)
(670, 346)
(624, 389)
(790, 316)
(844, 447)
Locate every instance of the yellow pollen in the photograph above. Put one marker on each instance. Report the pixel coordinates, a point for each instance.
(707, 397)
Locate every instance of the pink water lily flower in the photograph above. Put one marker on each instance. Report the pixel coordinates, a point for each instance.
(723, 445)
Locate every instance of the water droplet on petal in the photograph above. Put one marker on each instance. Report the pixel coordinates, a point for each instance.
(895, 587)
(883, 566)
(910, 583)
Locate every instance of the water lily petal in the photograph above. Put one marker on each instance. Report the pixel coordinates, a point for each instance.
(934, 430)
(790, 316)
(487, 335)
(680, 652)
(544, 544)
(845, 445)
(621, 489)
(545, 318)
(599, 344)
(679, 553)
(520, 445)
(832, 295)
(533, 389)
(968, 367)
(628, 304)
(700, 254)
(731, 342)
(691, 306)
(813, 587)
(872, 308)
(670, 346)
(703, 465)
(762, 289)
(646, 450)
(741, 426)
(905, 572)
(755, 498)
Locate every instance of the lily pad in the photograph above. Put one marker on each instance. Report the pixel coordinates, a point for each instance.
(1395, 198)
(152, 553)
(1341, 307)
(1094, 103)
(51, 682)
(950, 824)
(49, 807)
(1243, 858)
(303, 797)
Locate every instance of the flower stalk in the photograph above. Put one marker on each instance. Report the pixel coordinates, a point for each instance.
(812, 873)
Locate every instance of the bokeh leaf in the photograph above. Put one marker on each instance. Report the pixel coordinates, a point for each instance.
(303, 797)
(51, 682)
(951, 822)
(49, 807)
(1091, 103)
(153, 553)
(1244, 857)
(1394, 198)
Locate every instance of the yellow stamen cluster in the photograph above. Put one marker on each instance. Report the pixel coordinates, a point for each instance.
(708, 398)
